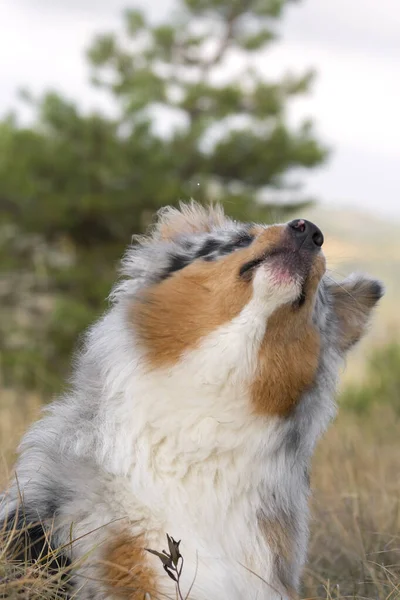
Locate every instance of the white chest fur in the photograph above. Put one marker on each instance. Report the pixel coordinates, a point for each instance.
(202, 468)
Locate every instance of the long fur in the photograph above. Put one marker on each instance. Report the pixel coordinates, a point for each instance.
(138, 451)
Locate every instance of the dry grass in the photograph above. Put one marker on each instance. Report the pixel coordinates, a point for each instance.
(355, 541)
(17, 411)
(25, 581)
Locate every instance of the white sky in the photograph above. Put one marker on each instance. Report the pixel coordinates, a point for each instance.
(353, 44)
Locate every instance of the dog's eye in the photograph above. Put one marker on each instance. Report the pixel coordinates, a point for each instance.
(177, 263)
(244, 241)
(214, 248)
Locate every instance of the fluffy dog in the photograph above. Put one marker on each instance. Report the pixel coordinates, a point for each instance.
(194, 409)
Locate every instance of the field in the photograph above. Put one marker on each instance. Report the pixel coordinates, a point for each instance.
(355, 534)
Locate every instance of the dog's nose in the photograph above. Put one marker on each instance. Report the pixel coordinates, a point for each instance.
(306, 234)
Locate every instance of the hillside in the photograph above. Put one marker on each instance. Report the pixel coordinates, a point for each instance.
(355, 241)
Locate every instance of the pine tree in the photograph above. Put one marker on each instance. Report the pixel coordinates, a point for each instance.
(193, 118)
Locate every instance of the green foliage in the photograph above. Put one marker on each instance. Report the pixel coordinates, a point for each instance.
(74, 187)
(382, 384)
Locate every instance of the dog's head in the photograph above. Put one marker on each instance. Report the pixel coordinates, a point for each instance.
(254, 298)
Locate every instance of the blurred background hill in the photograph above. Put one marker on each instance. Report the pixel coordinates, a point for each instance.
(361, 241)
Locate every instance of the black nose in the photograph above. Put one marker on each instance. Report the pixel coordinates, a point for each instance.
(306, 234)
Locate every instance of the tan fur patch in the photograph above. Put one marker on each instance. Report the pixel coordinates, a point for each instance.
(174, 315)
(277, 533)
(127, 571)
(289, 354)
(278, 537)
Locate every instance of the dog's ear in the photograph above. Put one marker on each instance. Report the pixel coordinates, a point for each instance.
(353, 301)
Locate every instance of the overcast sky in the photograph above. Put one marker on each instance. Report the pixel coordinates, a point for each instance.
(353, 44)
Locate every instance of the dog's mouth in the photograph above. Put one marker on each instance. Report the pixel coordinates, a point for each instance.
(301, 300)
(247, 270)
(286, 267)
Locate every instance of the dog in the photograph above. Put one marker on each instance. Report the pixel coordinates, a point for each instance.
(194, 409)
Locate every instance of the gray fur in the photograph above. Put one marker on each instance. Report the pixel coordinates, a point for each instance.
(64, 473)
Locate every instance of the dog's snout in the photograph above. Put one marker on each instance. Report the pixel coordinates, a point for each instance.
(306, 234)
